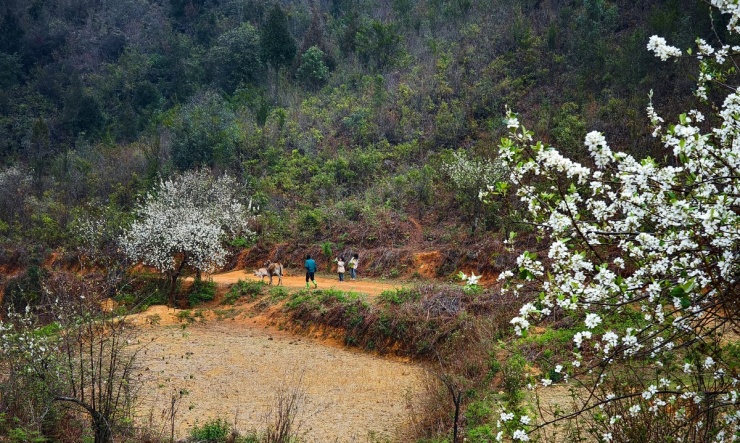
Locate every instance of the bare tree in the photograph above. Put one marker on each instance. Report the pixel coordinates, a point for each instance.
(85, 357)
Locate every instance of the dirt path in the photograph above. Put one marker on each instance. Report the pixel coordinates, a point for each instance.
(294, 281)
(231, 369)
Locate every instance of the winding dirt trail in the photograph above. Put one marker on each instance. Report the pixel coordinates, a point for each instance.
(231, 363)
(294, 281)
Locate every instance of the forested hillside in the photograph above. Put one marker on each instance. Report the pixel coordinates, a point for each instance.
(342, 118)
(143, 141)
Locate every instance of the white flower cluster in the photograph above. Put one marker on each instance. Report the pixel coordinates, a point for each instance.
(22, 348)
(732, 8)
(479, 173)
(676, 231)
(470, 280)
(186, 219)
(661, 49)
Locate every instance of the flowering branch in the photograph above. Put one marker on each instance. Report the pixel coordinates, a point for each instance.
(630, 236)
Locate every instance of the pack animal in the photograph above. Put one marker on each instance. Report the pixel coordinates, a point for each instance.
(270, 269)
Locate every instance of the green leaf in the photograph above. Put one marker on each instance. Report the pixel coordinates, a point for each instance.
(685, 302)
(524, 274)
(689, 285)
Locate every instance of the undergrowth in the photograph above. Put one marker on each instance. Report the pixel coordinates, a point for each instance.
(247, 289)
(419, 321)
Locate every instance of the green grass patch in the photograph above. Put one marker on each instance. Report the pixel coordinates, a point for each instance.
(278, 293)
(189, 316)
(243, 289)
(399, 296)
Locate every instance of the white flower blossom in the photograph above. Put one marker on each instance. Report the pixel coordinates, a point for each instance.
(592, 320)
(708, 363)
(186, 220)
(661, 49)
(506, 416)
(633, 236)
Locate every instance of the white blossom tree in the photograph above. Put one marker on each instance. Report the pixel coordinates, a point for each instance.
(184, 222)
(468, 175)
(646, 257)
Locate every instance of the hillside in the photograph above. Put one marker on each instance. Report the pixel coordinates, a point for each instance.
(147, 144)
(350, 143)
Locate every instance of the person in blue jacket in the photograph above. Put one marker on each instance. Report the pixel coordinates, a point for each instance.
(310, 271)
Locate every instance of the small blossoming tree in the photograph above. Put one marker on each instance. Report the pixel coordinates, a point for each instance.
(468, 175)
(647, 256)
(68, 355)
(184, 222)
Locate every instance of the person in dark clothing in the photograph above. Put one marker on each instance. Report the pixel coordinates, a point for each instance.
(310, 271)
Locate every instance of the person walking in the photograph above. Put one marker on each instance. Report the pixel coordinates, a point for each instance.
(340, 268)
(353, 266)
(310, 266)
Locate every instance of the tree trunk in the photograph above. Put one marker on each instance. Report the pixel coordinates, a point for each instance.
(173, 280)
(173, 286)
(102, 429)
(100, 423)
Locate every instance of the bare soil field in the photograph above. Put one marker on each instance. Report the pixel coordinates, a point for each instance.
(230, 363)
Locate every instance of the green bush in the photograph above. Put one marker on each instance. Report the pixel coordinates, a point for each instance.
(18, 434)
(513, 378)
(481, 434)
(201, 291)
(145, 290)
(25, 290)
(312, 72)
(213, 431)
(309, 222)
(241, 242)
(478, 413)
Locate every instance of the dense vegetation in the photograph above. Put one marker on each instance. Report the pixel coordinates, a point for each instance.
(339, 116)
(349, 125)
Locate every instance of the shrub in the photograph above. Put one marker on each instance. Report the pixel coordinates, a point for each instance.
(399, 296)
(201, 291)
(144, 290)
(212, 431)
(249, 289)
(312, 72)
